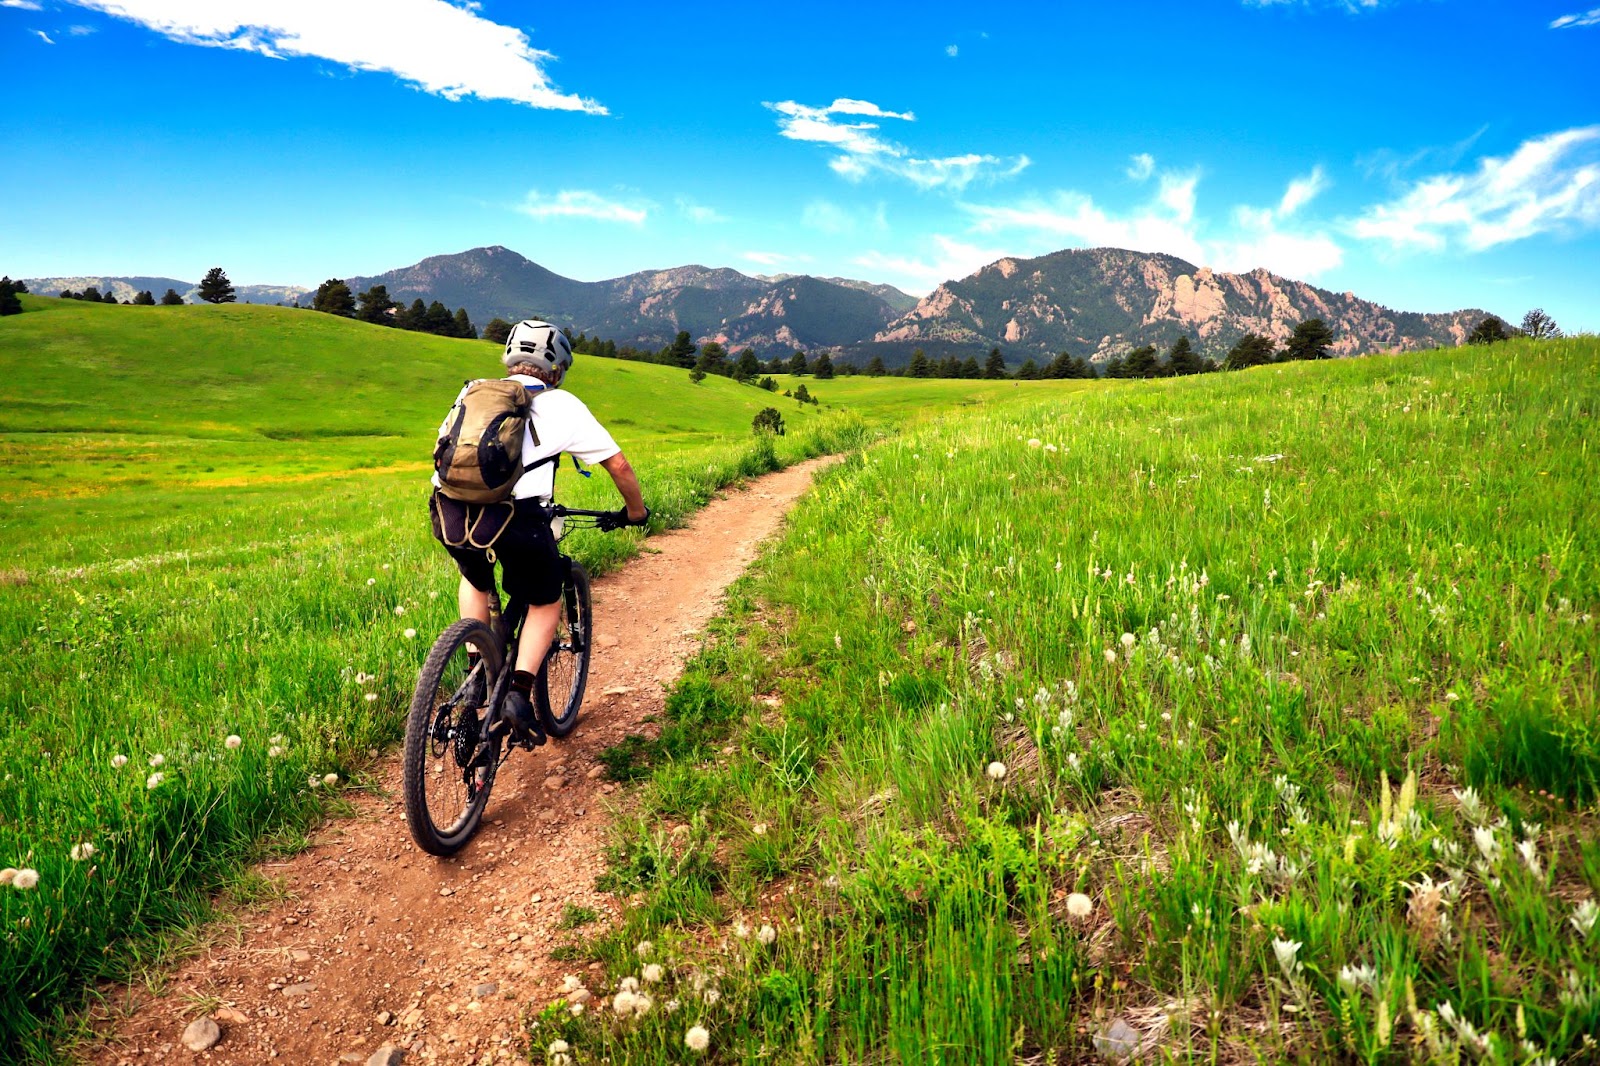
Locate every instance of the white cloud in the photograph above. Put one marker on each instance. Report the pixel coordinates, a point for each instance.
(952, 50)
(43, 36)
(1169, 222)
(951, 258)
(439, 47)
(1141, 166)
(863, 151)
(580, 203)
(1549, 183)
(773, 259)
(825, 216)
(80, 31)
(23, 5)
(699, 213)
(1582, 18)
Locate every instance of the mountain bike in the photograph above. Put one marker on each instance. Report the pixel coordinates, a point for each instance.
(458, 733)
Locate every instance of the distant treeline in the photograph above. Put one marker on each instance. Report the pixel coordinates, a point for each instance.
(334, 297)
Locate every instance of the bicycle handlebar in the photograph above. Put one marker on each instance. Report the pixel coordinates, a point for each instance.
(605, 521)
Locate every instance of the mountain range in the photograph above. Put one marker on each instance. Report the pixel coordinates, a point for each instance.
(1098, 303)
(126, 288)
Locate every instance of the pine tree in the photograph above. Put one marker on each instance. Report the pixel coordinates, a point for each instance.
(19, 287)
(437, 320)
(713, 359)
(109, 297)
(748, 365)
(1182, 360)
(970, 370)
(215, 288)
(1142, 362)
(1310, 340)
(374, 306)
(414, 317)
(797, 363)
(1059, 367)
(334, 298)
(9, 304)
(497, 331)
(1082, 369)
(768, 420)
(919, 366)
(1029, 371)
(875, 367)
(1117, 368)
(681, 351)
(170, 298)
(145, 299)
(1489, 331)
(463, 326)
(994, 367)
(90, 295)
(1539, 325)
(804, 395)
(1252, 350)
(823, 369)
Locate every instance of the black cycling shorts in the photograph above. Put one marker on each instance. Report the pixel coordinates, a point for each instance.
(530, 566)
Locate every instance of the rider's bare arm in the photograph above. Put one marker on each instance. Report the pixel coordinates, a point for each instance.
(627, 483)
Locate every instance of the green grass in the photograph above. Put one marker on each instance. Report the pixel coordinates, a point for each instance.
(214, 524)
(1289, 673)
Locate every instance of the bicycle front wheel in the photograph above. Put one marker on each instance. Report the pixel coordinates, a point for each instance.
(449, 765)
(565, 671)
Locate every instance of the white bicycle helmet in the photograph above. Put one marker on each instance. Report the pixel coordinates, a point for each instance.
(540, 344)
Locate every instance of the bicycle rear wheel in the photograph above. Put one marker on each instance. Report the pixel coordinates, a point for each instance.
(565, 671)
(449, 767)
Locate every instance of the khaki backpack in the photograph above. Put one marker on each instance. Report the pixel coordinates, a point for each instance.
(479, 454)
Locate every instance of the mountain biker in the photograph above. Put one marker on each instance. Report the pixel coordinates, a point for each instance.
(537, 355)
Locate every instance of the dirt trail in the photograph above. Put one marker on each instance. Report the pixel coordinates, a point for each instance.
(377, 943)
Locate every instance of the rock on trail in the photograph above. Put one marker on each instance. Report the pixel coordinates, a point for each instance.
(378, 952)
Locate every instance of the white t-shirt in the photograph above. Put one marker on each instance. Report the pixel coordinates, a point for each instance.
(563, 424)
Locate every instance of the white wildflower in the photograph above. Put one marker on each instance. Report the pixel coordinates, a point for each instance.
(1471, 805)
(571, 983)
(1488, 846)
(671, 1006)
(629, 984)
(314, 781)
(154, 780)
(622, 1003)
(83, 851)
(371, 581)
(767, 935)
(759, 829)
(118, 761)
(1353, 977)
(642, 1003)
(1034, 442)
(25, 879)
(370, 697)
(1584, 916)
(710, 996)
(410, 634)
(330, 779)
(559, 1047)
(1128, 640)
(1111, 656)
(233, 742)
(652, 973)
(741, 929)
(1286, 950)
(697, 1038)
(1079, 905)
(8, 875)
(399, 610)
(158, 759)
(644, 949)
(996, 771)
(274, 751)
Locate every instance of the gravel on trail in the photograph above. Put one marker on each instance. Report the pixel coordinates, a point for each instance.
(377, 951)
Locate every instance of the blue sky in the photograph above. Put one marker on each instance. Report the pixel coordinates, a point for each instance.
(1428, 154)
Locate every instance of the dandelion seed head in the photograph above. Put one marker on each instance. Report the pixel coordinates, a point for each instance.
(741, 929)
(314, 781)
(154, 780)
(697, 1038)
(372, 581)
(571, 983)
(82, 852)
(559, 1047)
(996, 771)
(233, 742)
(158, 759)
(622, 1003)
(1034, 442)
(644, 949)
(25, 879)
(410, 634)
(274, 751)
(118, 761)
(8, 875)
(652, 973)
(767, 935)
(399, 610)
(1128, 640)
(330, 779)
(1111, 656)
(759, 829)
(1079, 905)
(370, 697)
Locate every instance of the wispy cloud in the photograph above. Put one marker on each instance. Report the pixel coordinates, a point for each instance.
(581, 203)
(948, 258)
(21, 5)
(43, 36)
(699, 213)
(952, 50)
(441, 48)
(1549, 183)
(862, 150)
(824, 216)
(1581, 18)
(1170, 222)
(1141, 166)
(773, 259)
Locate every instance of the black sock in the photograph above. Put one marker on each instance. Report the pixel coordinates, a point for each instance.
(522, 681)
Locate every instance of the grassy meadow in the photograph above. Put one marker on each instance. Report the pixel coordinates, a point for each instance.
(1248, 717)
(214, 526)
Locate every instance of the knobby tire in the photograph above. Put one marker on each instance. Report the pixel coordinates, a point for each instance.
(565, 671)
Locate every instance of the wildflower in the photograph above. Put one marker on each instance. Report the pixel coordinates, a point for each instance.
(399, 610)
(642, 1003)
(1529, 851)
(410, 634)
(838, 641)
(372, 581)
(154, 780)
(1471, 806)
(759, 829)
(575, 1010)
(560, 1053)
(1111, 656)
(330, 779)
(652, 973)
(1286, 950)
(644, 949)
(1051, 448)
(710, 996)
(233, 742)
(1450, 697)
(158, 760)
(433, 595)
(741, 929)
(767, 935)
(25, 879)
(559, 1047)
(83, 851)
(274, 751)
(1074, 762)
(996, 771)
(1584, 916)
(1487, 845)
(370, 697)
(622, 1003)
(118, 761)
(570, 983)
(697, 1038)
(385, 566)
(629, 984)
(1079, 905)
(8, 875)
(314, 781)
(1353, 977)
(671, 1006)
(1128, 640)
(1034, 442)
